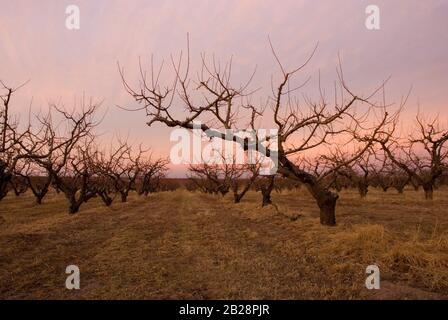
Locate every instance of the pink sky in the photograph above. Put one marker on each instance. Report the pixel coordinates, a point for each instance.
(411, 46)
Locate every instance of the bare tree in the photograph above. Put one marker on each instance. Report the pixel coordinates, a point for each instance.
(399, 179)
(211, 178)
(39, 181)
(216, 102)
(266, 185)
(112, 167)
(381, 172)
(124, 167)
(358, 172)
(243, 179)
(76, 178)
(19, 185)
(102, 183)
(151, 174)
(422, 155)
(10, 151)
(62, 150)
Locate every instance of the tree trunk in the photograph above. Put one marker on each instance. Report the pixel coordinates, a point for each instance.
(326, 200)
(363, 189)
(5, 179)
(39, 199)
(40, 194)
(74, 207)
(223, 189)
(124, 196)
(399, 188)
(237, 198)
(74, 204)
(106, 199)
(3, 193)
(266, 192)
(414, 184)
(428, 188)
(266, 199)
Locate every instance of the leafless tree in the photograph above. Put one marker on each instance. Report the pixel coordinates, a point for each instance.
(125, 168)
(243, 179)
(102, 184)
(112, 167)
(62, 150)
(76, 180)
(151, 174)
(358, 172)
(302, 125)
(422, 155)
(265, 185)
(10, 151)
(211, 178)
(382, 170)
(225, 175)
(399, 179)
(38, 181)
(19, 185)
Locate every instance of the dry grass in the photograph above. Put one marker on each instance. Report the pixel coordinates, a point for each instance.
(181, 245)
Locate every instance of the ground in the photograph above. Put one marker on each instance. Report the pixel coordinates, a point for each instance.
(182, 245)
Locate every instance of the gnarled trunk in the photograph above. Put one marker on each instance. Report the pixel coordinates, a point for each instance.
(363, 188)
(266, 192)
(238, 196)
(39, 193)
(124, 196)
(3, 192)
(5, 178)
(326, 200)
(74, 205)
(266, 199)
(429, 190)
(107, 200)
(39, 199)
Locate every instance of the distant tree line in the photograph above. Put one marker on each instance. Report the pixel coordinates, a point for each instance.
(60, 150)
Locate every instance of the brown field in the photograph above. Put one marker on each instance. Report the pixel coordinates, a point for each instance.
(181, 245)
